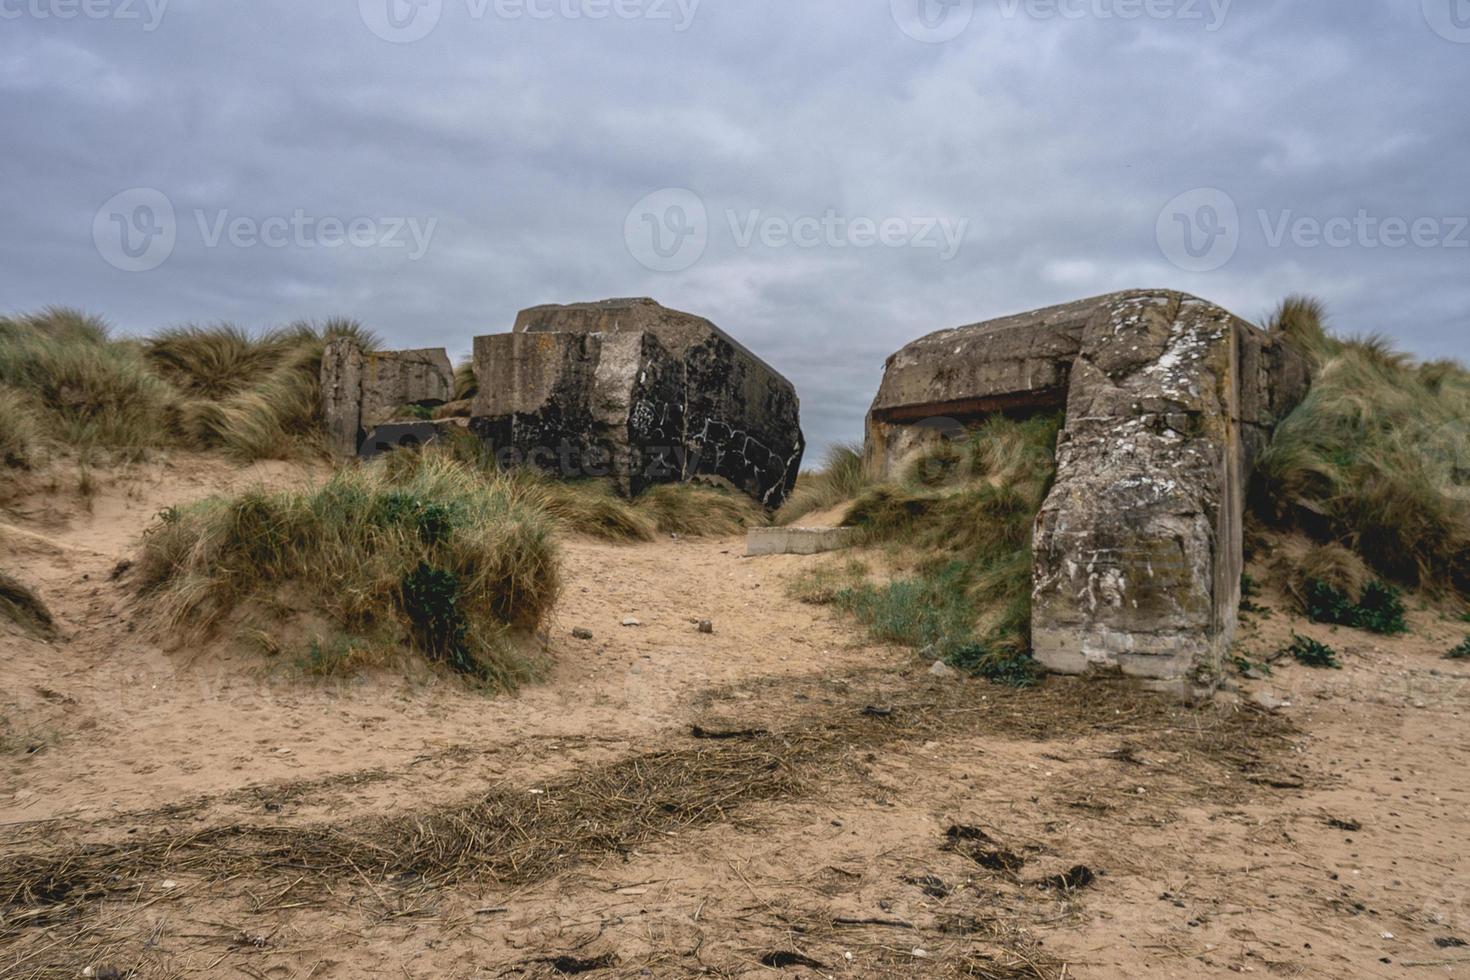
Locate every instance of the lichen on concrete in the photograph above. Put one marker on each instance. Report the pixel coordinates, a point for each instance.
(1137, 548)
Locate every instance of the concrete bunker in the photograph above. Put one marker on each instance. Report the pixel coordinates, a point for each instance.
(1167, 400)
(633, 391)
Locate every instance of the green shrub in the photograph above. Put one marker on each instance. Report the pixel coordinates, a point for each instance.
(1311, 653)
(1008, 667)
(1460, 652)
(435, 608)
(428, 554)
(820, 585)
(337, 655)
(1379, 608)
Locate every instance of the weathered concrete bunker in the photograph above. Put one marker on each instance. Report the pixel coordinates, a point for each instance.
(1167, 399)
(634, 391)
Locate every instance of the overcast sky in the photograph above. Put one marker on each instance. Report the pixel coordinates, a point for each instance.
(826, 179)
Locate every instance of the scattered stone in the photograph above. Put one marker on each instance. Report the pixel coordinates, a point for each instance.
(1269, 701)
(630, 621)
(1079, 876)
(962, 831)
(571, 965)
(581, 633)
(996, 859)
(781, 959)
(1351, 826)
(705, 626)
(724, 734)
(404, 435)
(932, 886)
(942, 669)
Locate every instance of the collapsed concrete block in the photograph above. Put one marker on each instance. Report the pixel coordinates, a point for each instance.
(798, 540)
(581, 405)
(342, 396)
(638, 392)
(364, 389)
(1168, 399)
(404, 435)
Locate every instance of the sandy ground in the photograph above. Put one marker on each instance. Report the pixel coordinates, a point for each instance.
(1323, 839)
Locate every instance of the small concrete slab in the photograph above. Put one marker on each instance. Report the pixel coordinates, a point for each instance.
(798, 540)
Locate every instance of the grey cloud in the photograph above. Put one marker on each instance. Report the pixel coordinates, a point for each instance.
(1060, 139)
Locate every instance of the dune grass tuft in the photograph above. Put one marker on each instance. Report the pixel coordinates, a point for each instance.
(694, 511)
(429, 554)
(840, 479)
(89, 392)
(595, 509)
(967, 511)
(1376, 458)
(21, 437)
(466, 384)
(214, 387)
